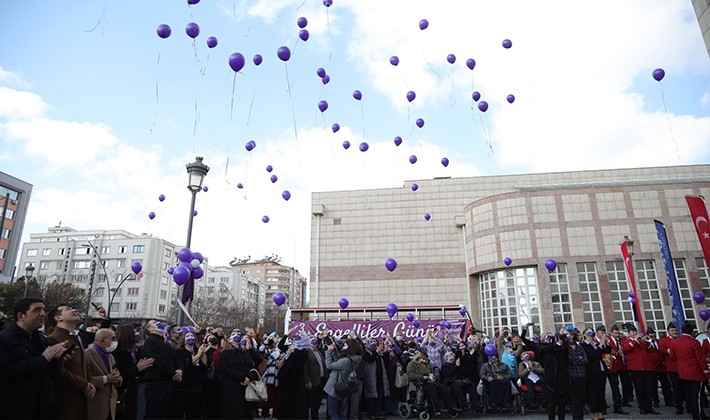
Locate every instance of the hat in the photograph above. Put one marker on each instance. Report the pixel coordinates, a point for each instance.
(601, 328)
(530, 355)
(615, 327)
(650, 330)
(671, 325)
(631, 327)
(412, 345)
(492, 358)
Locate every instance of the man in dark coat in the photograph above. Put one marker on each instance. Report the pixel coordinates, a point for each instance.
(167, 368)
(26, 363)
(554, 356)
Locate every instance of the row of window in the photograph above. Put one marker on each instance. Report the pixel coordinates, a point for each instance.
(510, 297)
(46, 252)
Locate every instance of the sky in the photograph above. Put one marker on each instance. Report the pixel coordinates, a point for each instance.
(101, 115)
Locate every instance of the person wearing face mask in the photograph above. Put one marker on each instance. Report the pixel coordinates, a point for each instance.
(420, 370)
(531, 374)
(186, 398)
(454, 376)
(635, 348)
(131, 364)
(496, 377)
(105, 377)
(435, 349)
(292, 375)
(212, 383)
(238, 367)
(316, 376)
(166, 369)
(562, 359)
(596, 345)
(375, 381)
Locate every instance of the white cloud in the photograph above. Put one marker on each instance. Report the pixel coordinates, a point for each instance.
(15, 104)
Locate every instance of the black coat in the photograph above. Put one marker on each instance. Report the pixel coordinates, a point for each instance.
(24, 374)
(235, 365)
(554, 358)
(292, 385)
(165, 362)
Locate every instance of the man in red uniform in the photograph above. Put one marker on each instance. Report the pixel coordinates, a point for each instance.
(692, 368)
(672, 367)
(616, 366)
(656, 367)
(636, 349)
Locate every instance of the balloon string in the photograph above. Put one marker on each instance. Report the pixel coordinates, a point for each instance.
(362, 116)
(231, 105)
(194, 47)
(194, 128)
(253, 95)
(293, 110)
(157, 67)
(452, 95)
(670, 127)
(330, 37)
(486, 136)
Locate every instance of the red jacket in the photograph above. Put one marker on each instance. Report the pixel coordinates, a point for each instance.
(664, 345)
(636, 353)
(690, 356)
(616, 351)
(654, 358)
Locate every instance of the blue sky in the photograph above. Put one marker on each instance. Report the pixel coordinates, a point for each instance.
(80, 118)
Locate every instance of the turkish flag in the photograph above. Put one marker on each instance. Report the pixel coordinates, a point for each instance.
(699, 213)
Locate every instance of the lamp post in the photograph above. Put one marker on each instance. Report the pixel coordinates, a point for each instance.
(114, 292)
(28, 275)
(196, 172)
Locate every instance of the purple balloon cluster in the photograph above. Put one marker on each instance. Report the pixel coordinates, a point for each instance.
(189, 267)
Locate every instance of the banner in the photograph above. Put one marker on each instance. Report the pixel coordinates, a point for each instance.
(673, 291)
(635, 299)
(699, 213)
(378, 328)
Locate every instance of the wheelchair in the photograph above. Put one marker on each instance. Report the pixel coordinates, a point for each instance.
(516, 407)
(419, 404)
(524, 403)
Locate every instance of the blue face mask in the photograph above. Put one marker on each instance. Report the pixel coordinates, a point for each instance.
(137, 336)
(314, 341)
(190, 340)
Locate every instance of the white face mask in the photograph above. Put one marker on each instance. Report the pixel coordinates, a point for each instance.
(112, 347)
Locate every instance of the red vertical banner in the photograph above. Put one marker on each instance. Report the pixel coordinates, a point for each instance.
(635, 299)
(699, 213)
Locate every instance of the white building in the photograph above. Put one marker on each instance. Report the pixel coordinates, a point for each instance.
(230, 286)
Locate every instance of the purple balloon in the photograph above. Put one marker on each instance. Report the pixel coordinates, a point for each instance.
(507, 43)
(391, 309)
(325, 79)
(198, 256)
(283, 53)
(442, 322)
(181, 275)
(507, 260)
(164, 31)
(194, 213)
(416, 324)
(320, 71)
(397, 141)
(510, 98)
(286, 195)
(411, 95)
(257, 59)
(412, 159)
(551, 264)
(490, 350)
(327, 3)
(192, 30)
(698, 297)
(447, 325)
(185, 255)
(423, 24)
(343, 303)
(410, 317)
(704, 314)
(427, 216)
(476, 96)
(445, 162)
(394, 60)
(415, 187)
(390, 264)
(161, 197)
(151, 215)
(483, 106)
(346, 145)
(279, 298)
(274, 178)
(269, 168)
(632, 300)
(357, 95)
(171, 270)
(136, 267)
(302, 22)
(322, 105)
(236, 61)
(364, 146)
(212, 42)
(335, 127)
(192, 2)
(462, 312)
(470, 63)
(451, 58)
(658, 75)
(631, 293)
(303, 34)
(205, 189)
(198, 272)
(420, 122)
(240, 186)
(265, 219)
(250, 145)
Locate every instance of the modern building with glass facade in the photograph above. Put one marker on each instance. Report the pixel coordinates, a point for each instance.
(458, 255)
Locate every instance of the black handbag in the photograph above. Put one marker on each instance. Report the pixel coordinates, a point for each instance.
(346, 387)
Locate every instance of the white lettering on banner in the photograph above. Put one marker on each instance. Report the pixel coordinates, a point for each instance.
(377, 328)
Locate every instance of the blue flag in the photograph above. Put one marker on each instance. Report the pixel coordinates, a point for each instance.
(673, 292)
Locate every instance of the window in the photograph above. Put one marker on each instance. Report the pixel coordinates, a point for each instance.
(168, 252)
(619, 291)
(650, 296)
(561, 301)
(82, 251)
(104, 263)
(47, 252)
(163, 280)
(6, 233)
(163, 294)
(210, 280)
(44, 265)
(60, 265)
(10, 214)
(114, 307)
(99, 292)
(118, 278)
(2, 253)
(223, 279)
(686, 296)
(138, 249)
(509, 298)
(105, 250)
(589, 288)
(61, 251)
(79, 278)
(166, 266)
(82, 264)
(122, 249)
(133, 291)
(120, 263)
(161, 309)
(31, 252)
(131, 306)
(210, 290)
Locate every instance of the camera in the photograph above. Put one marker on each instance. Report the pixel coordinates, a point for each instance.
(328, 341)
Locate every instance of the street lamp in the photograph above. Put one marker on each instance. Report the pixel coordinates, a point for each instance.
(629, 245)
(28, 275)
(196, 172)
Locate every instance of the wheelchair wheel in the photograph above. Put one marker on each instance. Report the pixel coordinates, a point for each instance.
(405, 410)
(424, 415)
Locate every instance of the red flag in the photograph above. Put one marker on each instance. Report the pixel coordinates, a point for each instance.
(635, 299)
(699, 213)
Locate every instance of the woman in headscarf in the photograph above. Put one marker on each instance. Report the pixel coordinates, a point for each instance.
(340, 369)
(292, 376)
(237, 365)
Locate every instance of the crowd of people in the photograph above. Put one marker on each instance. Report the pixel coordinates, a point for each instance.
(159, 371)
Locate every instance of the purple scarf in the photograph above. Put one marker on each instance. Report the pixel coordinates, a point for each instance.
(105, 356)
